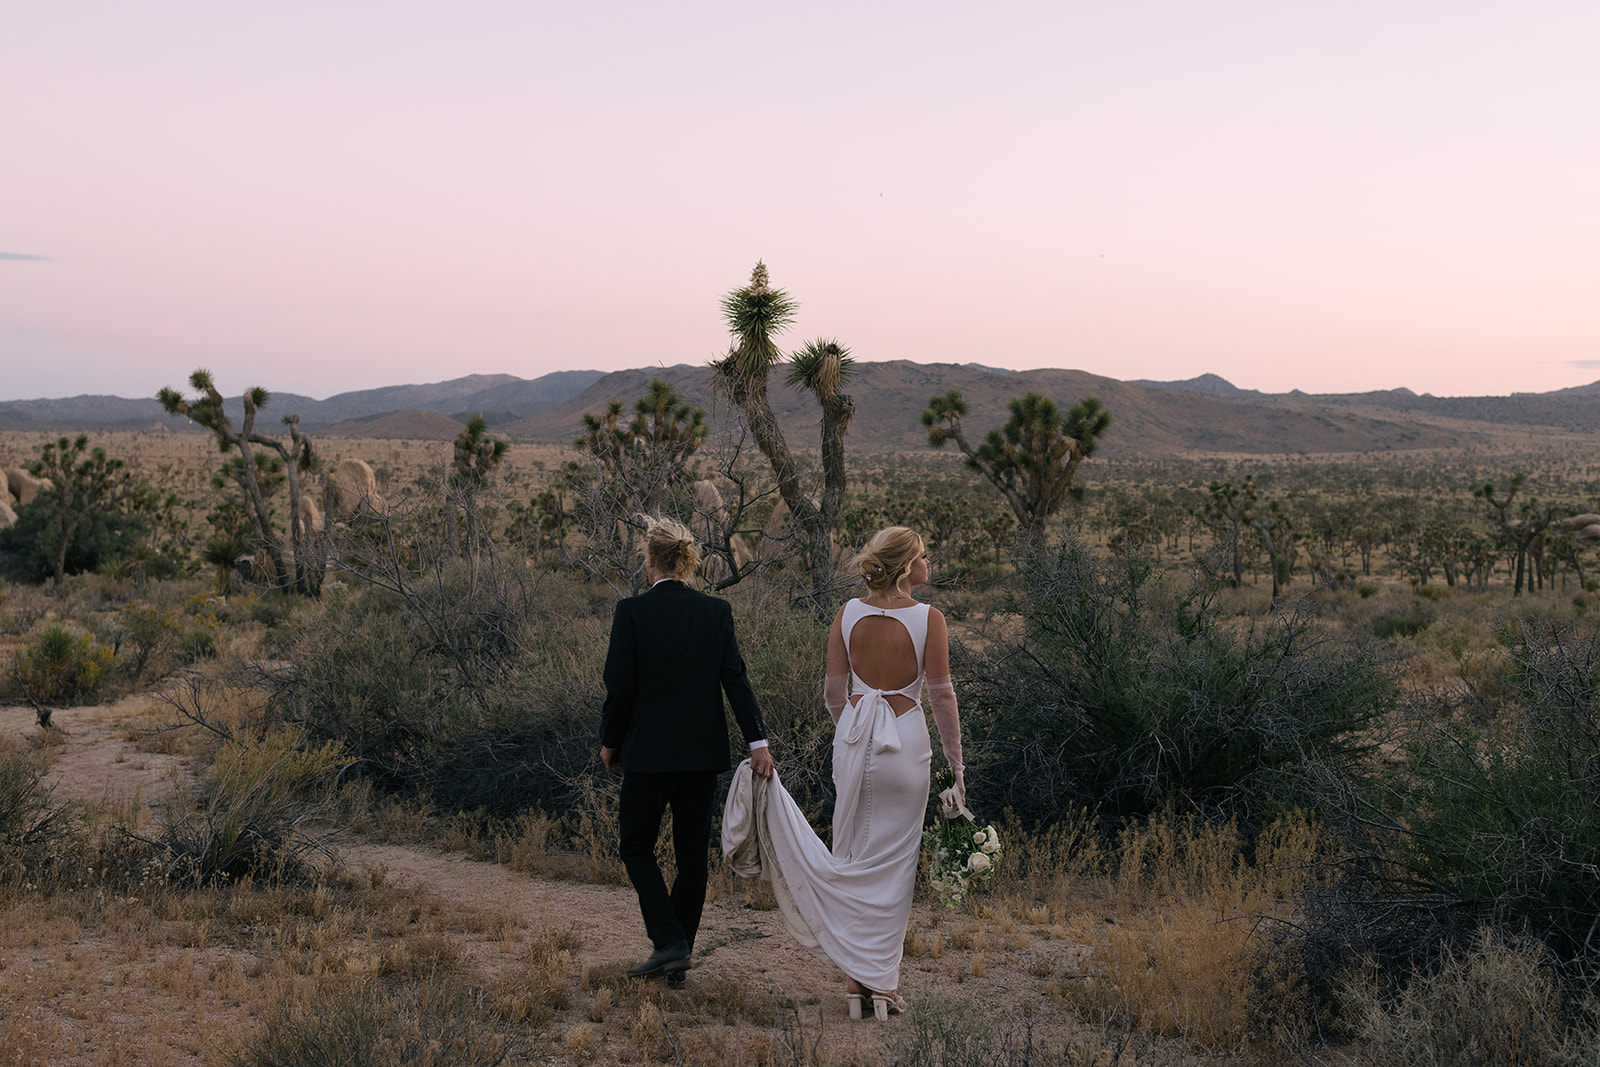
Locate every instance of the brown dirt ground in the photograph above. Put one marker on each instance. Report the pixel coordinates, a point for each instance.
(738, 943)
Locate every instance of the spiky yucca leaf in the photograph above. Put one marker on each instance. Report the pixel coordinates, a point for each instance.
(755, 315)
(823, 366)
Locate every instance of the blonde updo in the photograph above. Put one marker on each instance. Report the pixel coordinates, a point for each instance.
(887, 558)
(670, 544)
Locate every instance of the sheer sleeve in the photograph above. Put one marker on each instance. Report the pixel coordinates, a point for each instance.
(942, 698)
(834, 690)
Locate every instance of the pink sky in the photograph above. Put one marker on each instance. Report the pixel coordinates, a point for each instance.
(322, 197)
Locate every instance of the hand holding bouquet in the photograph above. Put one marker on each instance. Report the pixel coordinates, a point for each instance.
(961, 850)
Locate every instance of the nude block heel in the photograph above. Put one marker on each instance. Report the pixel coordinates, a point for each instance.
(854, 1000)
(884, 1003)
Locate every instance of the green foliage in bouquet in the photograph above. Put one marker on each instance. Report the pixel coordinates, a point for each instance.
(960, 852)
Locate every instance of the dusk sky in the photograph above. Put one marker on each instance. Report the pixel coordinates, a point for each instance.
(323, 197)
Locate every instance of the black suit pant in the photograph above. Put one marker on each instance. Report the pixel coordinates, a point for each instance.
(668, 916)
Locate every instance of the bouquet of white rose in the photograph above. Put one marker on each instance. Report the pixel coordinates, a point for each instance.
(962, 851)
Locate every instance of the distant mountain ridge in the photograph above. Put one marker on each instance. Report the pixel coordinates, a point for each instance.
(1205, 384)
(891, 396)
(1152, 418)
(505, 394)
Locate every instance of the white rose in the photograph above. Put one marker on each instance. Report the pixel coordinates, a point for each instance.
(991, 846)
(978, 838)
(994, 835)
(979, 863)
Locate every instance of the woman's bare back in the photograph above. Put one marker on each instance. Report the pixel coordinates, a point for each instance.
(883, 655)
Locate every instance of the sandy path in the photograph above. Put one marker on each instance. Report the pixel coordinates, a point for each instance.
(737, 944)
(92, 763)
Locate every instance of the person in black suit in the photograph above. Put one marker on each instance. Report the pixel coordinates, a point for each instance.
(672, 657)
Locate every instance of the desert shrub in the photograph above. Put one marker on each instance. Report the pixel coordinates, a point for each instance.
(1511, 827)
(263, 811)
(946, 1031)
(1120, 696)
(1495, 1003)
(480, 687)
(62, 667)
(196, 643)
(271, 607)
(433, 1024)
(31, 827)
(100, 539)
(1495, 827)
(146, 632)
(1408, 621)
(786, 652)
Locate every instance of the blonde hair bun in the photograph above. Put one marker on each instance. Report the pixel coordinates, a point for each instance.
(671, 545)
(887, 558)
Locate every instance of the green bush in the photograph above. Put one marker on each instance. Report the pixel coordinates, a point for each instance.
(1408, 621)
(1509, 824)
(478, 686)
(64, 668)
(1123, 697)
(786, 652)
(101, 538)
(482, 688)
(146, 632)
(1497, 827)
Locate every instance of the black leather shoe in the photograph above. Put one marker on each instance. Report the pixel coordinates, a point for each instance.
(666, 960)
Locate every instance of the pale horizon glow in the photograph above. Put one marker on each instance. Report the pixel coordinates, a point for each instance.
(319, 198)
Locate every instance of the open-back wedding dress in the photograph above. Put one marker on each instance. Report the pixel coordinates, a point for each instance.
(850, 904)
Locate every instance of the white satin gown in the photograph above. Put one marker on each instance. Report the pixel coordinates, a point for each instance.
(849, 904)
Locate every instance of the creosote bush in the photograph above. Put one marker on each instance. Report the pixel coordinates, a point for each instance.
(479, 686)
(1495, 827)
(1124, 697)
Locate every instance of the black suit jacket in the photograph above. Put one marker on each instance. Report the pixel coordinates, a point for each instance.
(672, 656)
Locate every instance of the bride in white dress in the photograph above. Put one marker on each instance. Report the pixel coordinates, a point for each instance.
(850, 904)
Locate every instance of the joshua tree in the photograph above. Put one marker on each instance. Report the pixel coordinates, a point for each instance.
(476, 457)
(1034, 459)
(1522, 525)
(639, 466)
(85, 485)
(301, 567)
(756, 314)
(1238, 506)
(650, 455)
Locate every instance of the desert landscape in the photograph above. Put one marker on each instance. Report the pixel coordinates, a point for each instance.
(1210, 696)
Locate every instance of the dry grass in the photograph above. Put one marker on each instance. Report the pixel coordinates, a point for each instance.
(1172, 929)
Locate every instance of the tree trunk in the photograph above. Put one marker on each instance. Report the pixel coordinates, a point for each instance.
(750, 395)
(450, 539)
